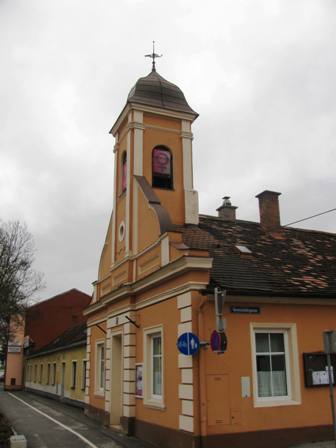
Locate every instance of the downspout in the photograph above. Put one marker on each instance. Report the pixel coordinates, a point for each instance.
(201, 376)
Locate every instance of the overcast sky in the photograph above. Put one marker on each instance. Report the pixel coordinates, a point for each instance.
(260, 73)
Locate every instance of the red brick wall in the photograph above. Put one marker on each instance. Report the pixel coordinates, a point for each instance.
(48, 319)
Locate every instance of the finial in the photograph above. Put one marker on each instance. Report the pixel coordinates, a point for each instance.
(153, 56)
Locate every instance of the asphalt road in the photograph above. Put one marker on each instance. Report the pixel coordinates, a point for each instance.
(49, 424)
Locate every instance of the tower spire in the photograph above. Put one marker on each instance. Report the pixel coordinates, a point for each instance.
(153, 56)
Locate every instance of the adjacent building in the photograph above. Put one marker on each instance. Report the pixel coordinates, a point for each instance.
(48, 348)
(58, 370)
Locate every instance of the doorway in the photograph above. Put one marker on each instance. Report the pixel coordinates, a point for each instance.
(116, 380)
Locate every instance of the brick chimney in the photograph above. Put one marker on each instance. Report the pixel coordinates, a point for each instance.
(269, 209)
(226, 211)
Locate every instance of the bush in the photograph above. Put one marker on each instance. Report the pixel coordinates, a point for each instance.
(5, 432)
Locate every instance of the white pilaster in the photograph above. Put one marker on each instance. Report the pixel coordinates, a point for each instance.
(165, 250)
(129, 345)
(114, 200)
(128, 193)
(190, 196)
(185, 364)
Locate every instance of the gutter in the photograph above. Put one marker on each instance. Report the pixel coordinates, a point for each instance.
(58, 349)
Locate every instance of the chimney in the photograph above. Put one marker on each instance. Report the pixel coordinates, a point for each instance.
(269, 209)
(226, 211)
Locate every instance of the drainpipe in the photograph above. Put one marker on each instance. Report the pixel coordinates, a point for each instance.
(202, 416)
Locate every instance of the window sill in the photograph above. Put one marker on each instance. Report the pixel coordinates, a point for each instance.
(99, 394)
(163, 188)
(270, 404)
(153, 404)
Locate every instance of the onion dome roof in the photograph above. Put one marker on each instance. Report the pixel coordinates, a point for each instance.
(154, 90)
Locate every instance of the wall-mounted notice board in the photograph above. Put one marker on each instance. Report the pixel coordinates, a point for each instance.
(316, 369)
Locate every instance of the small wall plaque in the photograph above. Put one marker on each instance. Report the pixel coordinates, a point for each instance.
(245, 309)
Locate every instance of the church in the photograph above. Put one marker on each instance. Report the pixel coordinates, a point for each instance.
(203, 331)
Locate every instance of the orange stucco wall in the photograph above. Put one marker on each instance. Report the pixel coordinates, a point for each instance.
(240, 412)
(165, 314)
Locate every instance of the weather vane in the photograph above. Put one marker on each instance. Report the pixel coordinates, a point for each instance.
(153, 56)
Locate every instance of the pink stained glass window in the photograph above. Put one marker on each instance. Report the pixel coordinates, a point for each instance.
(124, 173)
(161, 162)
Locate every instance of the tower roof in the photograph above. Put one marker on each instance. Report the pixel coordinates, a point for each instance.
(154, 90)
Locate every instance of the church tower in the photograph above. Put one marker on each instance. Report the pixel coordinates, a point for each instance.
(153, 175)
(149, 278)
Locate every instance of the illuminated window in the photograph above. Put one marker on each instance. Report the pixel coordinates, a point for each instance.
(162, 168)
(124, 172)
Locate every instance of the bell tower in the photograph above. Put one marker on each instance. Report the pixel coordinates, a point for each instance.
(153, 160)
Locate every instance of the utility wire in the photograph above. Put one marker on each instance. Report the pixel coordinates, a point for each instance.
(309, 217)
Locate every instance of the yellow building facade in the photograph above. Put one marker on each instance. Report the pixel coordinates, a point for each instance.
(59, 369)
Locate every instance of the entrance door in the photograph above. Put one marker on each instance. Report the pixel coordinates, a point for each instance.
(63, 379)
(116, 379)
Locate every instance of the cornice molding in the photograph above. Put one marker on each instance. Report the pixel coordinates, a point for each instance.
(171, 270)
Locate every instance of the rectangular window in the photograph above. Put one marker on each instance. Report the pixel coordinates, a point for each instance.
(48, 373)
(41, 373)
(272, 365)
(100, 367)
(276, 377)
(73, 374)
(153, 378)
(156, 365)
(84, 374)
(53, 375)
(35, 373)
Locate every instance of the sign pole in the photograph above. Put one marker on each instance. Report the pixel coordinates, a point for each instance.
(328, 345)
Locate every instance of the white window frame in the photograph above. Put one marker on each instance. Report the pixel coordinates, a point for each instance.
(100, 388)
(74, 373)
(293, 396)
(151, 399)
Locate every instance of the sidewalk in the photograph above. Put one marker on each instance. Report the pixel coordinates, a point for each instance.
(48, 423)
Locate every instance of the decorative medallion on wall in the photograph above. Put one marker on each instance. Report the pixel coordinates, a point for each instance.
(121, 231)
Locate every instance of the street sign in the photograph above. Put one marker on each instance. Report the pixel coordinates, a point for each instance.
(218, 342)
(14, 348)
(188, 343)
(245, 309)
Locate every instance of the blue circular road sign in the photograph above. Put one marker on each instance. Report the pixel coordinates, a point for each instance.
(188, 343)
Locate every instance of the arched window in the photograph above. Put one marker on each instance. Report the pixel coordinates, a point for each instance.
(162, 167)
(124, 172)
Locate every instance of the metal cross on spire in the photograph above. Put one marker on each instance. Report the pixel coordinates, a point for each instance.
(153, 56)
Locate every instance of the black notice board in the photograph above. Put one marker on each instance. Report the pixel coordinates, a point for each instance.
(315, 369)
